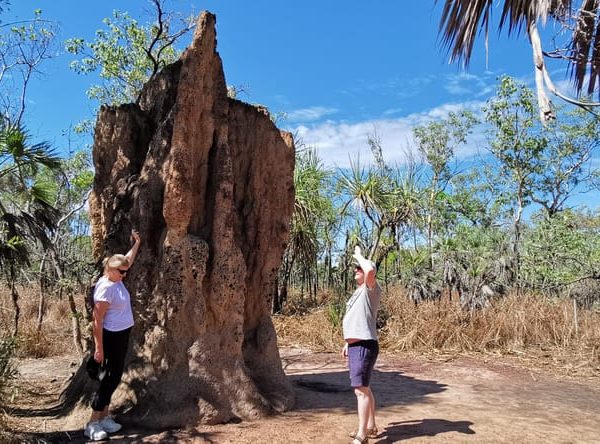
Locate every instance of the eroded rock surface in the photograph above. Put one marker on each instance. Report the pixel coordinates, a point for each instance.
(208, 183)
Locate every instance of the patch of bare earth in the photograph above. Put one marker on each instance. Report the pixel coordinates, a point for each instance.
(483, 399)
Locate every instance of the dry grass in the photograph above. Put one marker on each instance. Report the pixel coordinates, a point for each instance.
(528, 326)
(55, 337)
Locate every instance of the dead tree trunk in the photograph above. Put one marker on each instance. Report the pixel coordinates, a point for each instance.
(207, 181)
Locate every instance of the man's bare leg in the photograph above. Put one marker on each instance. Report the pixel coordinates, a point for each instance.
(363, 400)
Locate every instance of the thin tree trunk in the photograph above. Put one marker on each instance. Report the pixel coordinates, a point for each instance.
(517, 240)
(575, 320)
(544, 104)
(430, 220)
(75, 330)
(15, 300)
(42, 298)
(75, 327)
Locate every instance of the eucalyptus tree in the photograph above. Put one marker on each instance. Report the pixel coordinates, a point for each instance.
(561, 250)
(64, 264)
(518, 144)
(576, 39)
(26, 212)
(437, 142)
(126, 54)
(567, 167)
(24, 47)
(473, 200)
(539, 164)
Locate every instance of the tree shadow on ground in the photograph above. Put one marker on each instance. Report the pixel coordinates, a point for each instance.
(131, 435)
(331, 390)
(319, 385)
(400, 431)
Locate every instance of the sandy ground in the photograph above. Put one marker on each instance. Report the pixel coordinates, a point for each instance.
(453, 399)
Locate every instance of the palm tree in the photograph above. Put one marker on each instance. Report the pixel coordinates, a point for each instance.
(580, 28)
(25, 210)
(311, 208)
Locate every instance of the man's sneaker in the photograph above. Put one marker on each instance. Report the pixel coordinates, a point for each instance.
(109, 425)
(94, 431)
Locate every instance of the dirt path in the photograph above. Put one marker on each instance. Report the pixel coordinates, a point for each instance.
(457, 400)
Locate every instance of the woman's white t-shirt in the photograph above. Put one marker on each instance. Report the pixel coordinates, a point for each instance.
(118, 315)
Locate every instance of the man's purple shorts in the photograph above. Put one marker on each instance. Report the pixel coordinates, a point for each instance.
(361, 360)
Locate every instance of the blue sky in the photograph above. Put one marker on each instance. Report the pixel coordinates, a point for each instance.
(340, 70)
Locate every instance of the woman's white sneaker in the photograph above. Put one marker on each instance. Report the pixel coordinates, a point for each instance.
(94, 431)
(109, 425)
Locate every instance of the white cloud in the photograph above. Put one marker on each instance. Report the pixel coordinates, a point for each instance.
(310, 114)
(389, 112)
(337, 142)
(466, 83)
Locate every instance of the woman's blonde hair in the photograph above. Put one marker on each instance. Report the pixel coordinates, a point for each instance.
(115, 261)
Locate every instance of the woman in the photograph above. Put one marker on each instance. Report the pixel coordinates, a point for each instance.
(112, 322)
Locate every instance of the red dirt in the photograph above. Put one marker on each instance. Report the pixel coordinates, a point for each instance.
(455, 399)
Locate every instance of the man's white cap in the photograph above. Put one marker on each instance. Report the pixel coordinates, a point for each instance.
(370, 262)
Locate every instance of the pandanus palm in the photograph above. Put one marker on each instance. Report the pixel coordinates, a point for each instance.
(384, 200)
(579, 25)
(311, 208)
(25, 210)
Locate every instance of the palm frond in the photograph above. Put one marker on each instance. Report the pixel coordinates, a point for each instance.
(463, 20)
(586, 38)
(460, 23)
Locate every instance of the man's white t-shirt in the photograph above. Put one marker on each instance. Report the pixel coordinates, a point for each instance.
(360, 319)
(118, 315)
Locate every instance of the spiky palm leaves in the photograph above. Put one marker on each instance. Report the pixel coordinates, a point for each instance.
(463, 19)
(475, 261)
(384, 198)
(26, 212)
(312, 208)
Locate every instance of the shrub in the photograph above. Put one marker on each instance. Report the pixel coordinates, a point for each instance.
(8, 370)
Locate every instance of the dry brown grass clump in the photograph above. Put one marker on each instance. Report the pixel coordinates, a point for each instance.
(515, 324)
(55, 336)
(312, 330)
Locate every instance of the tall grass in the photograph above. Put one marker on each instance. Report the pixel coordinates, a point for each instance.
(8, 374)
(8, 368)
(512, 324)
(53, 339)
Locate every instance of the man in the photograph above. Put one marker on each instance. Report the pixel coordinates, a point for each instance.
(361, 347)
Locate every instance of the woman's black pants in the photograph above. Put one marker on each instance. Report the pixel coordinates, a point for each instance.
(115, 345)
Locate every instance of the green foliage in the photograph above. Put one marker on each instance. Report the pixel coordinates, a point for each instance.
(562, 249)
(420, 280)
(24, 47)
(125, 54)
(335, 313)
(468, 230)
(26, 213)
(380, 202)
(518, 140)
(313, 213)
(437, 140)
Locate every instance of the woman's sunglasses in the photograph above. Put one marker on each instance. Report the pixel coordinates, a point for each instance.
(122, 272)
